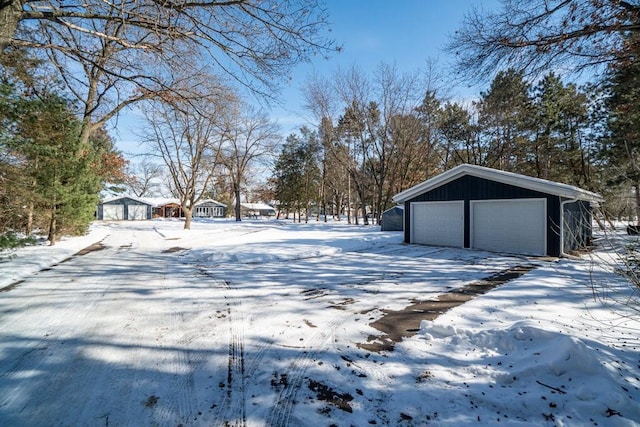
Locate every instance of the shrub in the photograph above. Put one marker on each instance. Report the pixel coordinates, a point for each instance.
(11, 240)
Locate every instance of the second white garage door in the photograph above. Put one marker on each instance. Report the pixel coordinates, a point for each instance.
(514, 226)
(438, 223)
(137, 212)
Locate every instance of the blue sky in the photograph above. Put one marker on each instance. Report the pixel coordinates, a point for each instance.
(406, 33)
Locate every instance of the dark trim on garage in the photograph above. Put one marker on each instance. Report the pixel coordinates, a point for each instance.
(126, 202)
(568, 208)
(469, 188)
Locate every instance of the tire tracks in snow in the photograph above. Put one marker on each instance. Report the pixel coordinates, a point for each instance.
(236, 408)
(280, 414)
(231, 411)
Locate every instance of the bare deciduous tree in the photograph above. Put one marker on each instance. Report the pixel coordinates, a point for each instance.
(111, 55)
(143, 178)
(249, 136)
(105, 77)
(250, 40)
(320, 101)
(187, 137)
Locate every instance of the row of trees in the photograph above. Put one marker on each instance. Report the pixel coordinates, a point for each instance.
(600, 37)
(373, 136)
(529, 120)
(389, 135)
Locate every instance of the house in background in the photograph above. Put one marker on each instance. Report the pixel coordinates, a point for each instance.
(166, 208)
(209, 208)
(481, 208)
(131, 208)
(257, 210)
(125, 208)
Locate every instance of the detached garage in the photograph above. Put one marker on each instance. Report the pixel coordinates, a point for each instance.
(124, 208)
(481, 208)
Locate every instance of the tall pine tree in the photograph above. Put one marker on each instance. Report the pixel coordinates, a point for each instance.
(54, 178)
(621, 145)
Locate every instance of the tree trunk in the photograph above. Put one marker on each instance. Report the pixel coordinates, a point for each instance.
(52, 227)
(10, 16)
(236, 192)
(638, 204)
(349, 200)
(30, 219)
(188, 214)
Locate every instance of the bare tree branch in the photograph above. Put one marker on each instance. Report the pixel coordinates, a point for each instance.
(538, 35)
(254, 41)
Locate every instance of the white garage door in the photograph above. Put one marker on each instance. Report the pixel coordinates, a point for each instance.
(438, 223)
(515, 226)
(137, 212)
(113, 212)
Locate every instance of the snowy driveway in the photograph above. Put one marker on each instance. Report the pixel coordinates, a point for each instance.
(226, 324)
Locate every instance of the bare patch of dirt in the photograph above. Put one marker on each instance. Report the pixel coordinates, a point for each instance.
(174, 250)
(314, 293)
(92, 248)
(396, 325)
(340, 305)
(151, 401)
(279, 380)
(327, 394)
(424, 377)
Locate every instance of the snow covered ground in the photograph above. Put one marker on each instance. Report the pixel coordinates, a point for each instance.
(259, 323)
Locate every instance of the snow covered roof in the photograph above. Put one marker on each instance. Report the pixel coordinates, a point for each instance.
(257, 206)
(202, 202)
(161, 201)
(523, 181)
(137, 199)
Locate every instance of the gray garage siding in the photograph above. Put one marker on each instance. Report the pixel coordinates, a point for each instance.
(473, 188)
(126, 202)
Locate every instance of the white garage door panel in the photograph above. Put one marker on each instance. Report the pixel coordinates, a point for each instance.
(113, 212)
(438, 223)
(137, 212)
(516, 226)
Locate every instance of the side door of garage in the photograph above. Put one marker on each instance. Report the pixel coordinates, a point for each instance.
(514, 226)
(438, 223)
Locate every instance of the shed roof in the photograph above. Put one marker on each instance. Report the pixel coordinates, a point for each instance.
(523, 181)
(395, 208)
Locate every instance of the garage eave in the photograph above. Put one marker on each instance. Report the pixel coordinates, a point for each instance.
(523, 181)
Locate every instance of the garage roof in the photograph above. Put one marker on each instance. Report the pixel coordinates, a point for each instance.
(137, 199)
(535, 184)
